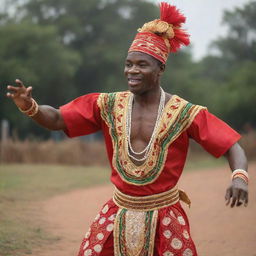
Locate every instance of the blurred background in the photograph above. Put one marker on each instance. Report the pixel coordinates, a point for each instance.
(67, 48)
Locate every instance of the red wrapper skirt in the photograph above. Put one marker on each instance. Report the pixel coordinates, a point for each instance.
(170, 236)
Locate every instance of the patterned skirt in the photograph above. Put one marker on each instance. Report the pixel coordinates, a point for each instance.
(121, 232)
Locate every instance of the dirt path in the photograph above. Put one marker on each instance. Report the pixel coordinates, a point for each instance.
(217, 230)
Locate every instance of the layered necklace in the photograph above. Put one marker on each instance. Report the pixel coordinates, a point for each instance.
(142, 155)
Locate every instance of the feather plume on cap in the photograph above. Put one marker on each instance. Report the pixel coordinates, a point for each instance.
(169, 27)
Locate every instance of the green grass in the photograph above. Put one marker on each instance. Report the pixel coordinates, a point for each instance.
(20, 186)
(18, 236)
(28, 182)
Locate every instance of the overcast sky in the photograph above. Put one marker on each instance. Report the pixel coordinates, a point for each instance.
(204, 20)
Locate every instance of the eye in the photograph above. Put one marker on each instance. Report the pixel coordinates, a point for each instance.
(143, 65)
(128, 64)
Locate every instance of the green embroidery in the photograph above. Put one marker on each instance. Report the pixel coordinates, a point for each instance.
(174, 129)
(122, 232)
(149, 219)
(108, 114)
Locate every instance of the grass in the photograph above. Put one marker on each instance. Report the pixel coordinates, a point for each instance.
(30, 182)
(21, 186)
(18, 236)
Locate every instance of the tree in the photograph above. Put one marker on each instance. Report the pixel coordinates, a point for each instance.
(100, 30)
(35, 55)
(66, 49)
(239, 105)
(240, 42)
(230, 77)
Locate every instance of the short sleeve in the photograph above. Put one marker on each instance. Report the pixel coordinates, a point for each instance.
(82, 115)
(214, 135)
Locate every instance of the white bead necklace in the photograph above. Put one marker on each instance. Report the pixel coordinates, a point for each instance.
(146, 150)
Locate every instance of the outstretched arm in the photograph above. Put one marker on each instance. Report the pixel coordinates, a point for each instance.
(237, 193)
(45, 116)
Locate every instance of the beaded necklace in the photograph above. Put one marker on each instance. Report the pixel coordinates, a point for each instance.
(146, 150)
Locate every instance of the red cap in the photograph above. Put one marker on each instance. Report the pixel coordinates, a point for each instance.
(160, 37)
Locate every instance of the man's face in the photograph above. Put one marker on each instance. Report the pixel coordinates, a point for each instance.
(142, 72)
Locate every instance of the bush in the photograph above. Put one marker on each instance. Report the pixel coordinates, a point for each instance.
(70, 152)
(78, 152)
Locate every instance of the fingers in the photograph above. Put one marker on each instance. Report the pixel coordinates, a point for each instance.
(239, 203)
(228, 195)
(29, 91)
(12, 88)
(234, 198)
(10, 95)
(19, 83)
(18, 91)
(246, 201)
(13, 91)
(244, 198)
(239, 200)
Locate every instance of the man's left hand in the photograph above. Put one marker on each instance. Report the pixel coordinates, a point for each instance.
(237, 193)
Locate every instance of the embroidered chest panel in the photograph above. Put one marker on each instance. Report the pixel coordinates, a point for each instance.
(178, 114)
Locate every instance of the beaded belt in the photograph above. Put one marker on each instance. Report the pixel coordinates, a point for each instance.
(147, 203)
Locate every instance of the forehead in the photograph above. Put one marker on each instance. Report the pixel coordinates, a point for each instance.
(140, 56)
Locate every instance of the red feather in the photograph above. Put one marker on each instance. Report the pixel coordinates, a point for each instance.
(172, 15)
(180, 38)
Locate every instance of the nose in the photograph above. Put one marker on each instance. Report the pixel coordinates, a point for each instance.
(133, 69)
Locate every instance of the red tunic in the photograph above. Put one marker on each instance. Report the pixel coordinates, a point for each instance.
(85, 115)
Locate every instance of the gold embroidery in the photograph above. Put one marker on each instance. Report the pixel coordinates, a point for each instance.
(177, 116)
(158, 27)
(134, 233)
(146, 203)
(148, 43)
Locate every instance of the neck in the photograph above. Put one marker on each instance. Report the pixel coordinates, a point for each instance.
(149, 97)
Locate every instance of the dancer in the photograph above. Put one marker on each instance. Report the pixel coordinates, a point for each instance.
(147, 134)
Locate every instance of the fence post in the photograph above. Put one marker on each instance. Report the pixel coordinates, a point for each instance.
(4, 137)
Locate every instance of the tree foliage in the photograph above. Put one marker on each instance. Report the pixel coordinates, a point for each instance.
(100, 31)
(35, 55)
(65, 49)
(234, 68)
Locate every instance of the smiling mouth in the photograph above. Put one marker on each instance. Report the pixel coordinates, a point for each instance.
(133, 81)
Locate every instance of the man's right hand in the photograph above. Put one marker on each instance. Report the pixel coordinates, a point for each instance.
(46, 116)
(21, 95)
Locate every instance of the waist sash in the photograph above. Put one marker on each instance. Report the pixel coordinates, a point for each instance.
(146, 203)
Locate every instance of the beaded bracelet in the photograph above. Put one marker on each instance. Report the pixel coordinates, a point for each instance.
(240, 173)
(32, 110)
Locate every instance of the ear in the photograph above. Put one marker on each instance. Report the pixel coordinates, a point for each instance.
(162, 68)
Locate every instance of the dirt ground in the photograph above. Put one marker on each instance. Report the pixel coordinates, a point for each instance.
(217, 230)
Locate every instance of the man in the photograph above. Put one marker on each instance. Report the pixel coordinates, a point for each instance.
(146, 133)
